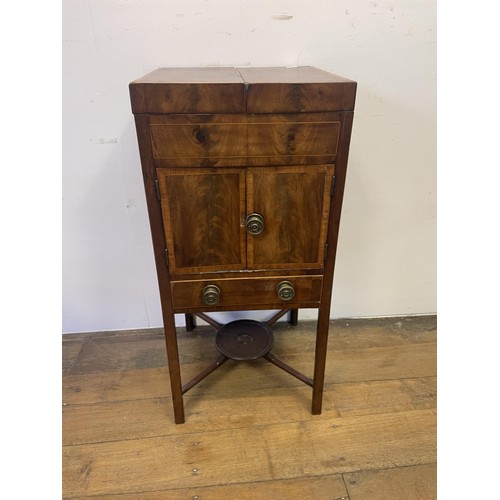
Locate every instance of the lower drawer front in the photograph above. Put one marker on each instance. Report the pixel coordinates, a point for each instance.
(273, 291)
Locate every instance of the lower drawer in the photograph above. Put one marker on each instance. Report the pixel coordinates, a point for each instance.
(274, 292)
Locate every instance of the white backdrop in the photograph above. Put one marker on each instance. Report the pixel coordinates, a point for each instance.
(386, 261)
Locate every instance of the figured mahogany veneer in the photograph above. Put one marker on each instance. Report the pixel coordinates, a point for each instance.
(256, 293)
(244, 172)
(215, 137)
(205, 210)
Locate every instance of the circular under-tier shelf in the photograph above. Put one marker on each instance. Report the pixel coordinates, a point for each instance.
(244, 339)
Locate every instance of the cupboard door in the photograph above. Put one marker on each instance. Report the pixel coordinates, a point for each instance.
(294, 203)
(202, 211)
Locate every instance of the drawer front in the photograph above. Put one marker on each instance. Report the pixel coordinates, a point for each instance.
(198, 140)
(292, 138)
(218, 140)
(275, 292)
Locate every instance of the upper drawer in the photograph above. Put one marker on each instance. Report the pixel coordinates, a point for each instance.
(193, 138)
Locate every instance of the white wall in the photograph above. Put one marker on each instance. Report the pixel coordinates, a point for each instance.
(386, 263)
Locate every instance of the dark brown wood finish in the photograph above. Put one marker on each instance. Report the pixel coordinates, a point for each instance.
(203, 210)
(250, 273)
(244, 161)
(333, 231)
(159, 245)
(188, 90)
(190, 322)
(376, 436)
(244, 140)
(250, 292)
(278, 137)
(296, 90)
(219, 145)
(199, 137)
(294, 202)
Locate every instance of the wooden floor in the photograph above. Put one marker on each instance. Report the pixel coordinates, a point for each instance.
(249, 433)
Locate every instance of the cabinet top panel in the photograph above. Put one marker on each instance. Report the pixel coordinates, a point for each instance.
(241, 90)
(298, 75)
(191, 75)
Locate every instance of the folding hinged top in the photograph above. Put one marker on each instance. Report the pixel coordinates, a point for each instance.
(241, 90)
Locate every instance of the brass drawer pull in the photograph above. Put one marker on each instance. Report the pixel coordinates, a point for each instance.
(255, 224)
(285, 290)
(211, 295)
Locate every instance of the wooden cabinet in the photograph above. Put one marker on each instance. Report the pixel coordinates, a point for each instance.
(244, 173)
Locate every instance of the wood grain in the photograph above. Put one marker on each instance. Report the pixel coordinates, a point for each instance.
(139, 418)
(206, 140)
(249, 273)
(188, 295)
(300, 89)
(203, 213)
(289, 75)
(388, 363)
(280, 451)
(243, 161)
(199, 140)
(318, 487)
(70, 350)
(294, 202)
(293, 139)
(405, 483)
(119, 367)
(188, 90)
(251, 90)
(249, 432)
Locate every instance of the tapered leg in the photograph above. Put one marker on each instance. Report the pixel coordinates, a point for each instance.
(190, 322)
(320, 359)
(293, 318)
(174, 371)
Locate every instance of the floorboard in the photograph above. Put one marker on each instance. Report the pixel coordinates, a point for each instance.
(249, 432)
(405, 483)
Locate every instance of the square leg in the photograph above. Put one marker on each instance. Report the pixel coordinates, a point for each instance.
(190, 322)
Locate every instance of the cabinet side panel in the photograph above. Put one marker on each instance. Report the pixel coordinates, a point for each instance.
(336, 203)
(154, 211)
(157, 233)
(332, 238)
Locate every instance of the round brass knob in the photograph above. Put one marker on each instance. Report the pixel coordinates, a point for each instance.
(285, 290)
(211, 295)
(255, 223)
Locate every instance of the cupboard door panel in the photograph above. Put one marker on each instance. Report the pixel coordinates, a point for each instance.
(202, 212)
(294, 202)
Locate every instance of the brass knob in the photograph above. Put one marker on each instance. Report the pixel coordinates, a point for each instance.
(255, 223)
(211, 295)
(285, 290)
